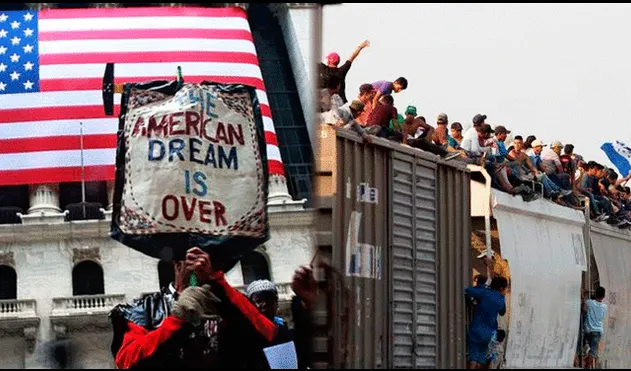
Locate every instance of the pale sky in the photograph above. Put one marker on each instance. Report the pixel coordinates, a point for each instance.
(559, 72)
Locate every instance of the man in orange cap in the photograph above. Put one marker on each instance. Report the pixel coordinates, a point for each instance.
(331, 68)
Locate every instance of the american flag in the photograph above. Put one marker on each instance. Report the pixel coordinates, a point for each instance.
(51, 71)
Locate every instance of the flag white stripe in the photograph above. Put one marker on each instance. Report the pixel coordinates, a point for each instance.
(145, 45)
(48, 159)
(70, 99)
(268, 124)
(142, 23)
(622, 150)
(273, 153)
(38, 129)
(123, 70)
(69, 158)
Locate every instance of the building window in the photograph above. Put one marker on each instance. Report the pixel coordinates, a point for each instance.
(70, 198)
(166, 274)
(284, 101)
(13, 200)
(8, 283)
(87, 279)
(254, 267)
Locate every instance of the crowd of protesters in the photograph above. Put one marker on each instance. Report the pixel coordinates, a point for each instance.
(212, 325)
(528, 168)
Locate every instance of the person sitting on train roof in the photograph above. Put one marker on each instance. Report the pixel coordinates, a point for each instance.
(388, 87)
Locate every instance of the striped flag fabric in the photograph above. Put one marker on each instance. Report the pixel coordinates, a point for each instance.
(51, 70)
(620, 155)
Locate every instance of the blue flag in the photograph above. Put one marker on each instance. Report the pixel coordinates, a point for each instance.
(620, 155)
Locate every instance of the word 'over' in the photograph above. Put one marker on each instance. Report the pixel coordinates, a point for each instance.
(173, 206)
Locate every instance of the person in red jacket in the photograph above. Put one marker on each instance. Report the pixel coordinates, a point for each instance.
(209, 326)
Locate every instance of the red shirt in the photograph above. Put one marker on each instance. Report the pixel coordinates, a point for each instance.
(381, 115)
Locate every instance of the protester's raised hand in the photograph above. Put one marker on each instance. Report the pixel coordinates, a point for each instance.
(198, 261)
(365, 44)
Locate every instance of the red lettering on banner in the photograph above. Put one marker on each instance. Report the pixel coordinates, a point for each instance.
(236, 134)
(139, 127)
(173, 122)
(204, 210)
(171, 209)
(159, 129)
(220, 134)
(220, 211)
(188, 211)
(192, 123)
(176, 208)
(205, 131)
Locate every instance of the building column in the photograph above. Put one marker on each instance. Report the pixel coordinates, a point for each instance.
(44, 205)
(278, 197)
(44, 199)
(110, 195)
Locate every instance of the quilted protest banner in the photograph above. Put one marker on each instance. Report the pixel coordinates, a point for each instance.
(191, 171)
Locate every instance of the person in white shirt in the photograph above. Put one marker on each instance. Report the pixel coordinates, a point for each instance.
(471, 135)
(594, 325)
(551, 164)
(471, 144)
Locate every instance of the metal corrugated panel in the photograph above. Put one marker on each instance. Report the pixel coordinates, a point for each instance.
(454, 267)
(414, 263)
(359, 298)
(414, 317)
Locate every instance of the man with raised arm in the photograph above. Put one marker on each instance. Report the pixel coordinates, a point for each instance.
(210, 326)
(331, 68)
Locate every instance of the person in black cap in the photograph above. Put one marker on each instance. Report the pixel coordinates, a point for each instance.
(472, 133)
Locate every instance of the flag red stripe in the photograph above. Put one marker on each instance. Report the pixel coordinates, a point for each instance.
(69, 113)
(142, 12)
(56, 175)
(54, 113)
(57, 143)
(97, 82)
(273, 167)
(149, 57)
(184, 33)
(270, 138)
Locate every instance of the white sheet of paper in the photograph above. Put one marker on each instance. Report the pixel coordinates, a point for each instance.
(282, 356)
